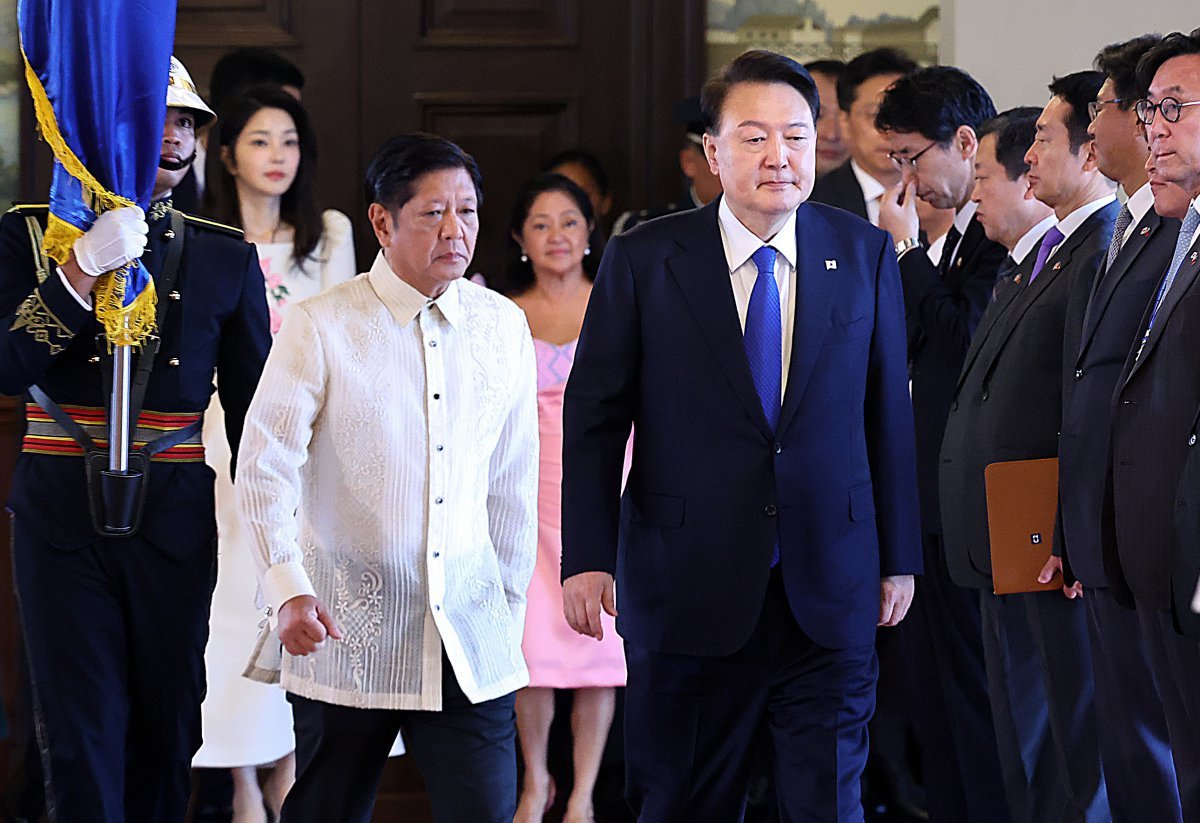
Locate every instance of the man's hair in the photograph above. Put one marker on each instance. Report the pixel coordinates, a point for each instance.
(830, 68)
(1119, 62)
(935, 102)
(867, 65)
(1077, 90)
(590, 162)
(1175, 44)
(756, 66)
(250, 66)
(402, 160)
(1014, 130)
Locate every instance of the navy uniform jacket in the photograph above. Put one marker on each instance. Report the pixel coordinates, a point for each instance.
(711, 487)
(1008, 401)
(635, 218)
(1102, 323)
(48, 338)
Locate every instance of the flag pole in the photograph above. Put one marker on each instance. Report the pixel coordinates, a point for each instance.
(118, 413)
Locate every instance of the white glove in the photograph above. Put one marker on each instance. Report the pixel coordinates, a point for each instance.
(116, 238)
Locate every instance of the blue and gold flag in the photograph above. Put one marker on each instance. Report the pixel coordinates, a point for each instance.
(98, 70)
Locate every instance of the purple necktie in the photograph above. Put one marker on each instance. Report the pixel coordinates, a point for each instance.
(1052, 239)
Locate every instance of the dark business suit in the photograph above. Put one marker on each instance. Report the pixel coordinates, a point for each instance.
(1102, 322)
(840, 188)
(1008, 406)
(1154, 406)
(942, 635)
(115, 628)
(716, 638)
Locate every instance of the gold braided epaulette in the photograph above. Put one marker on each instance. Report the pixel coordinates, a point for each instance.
(213, 225)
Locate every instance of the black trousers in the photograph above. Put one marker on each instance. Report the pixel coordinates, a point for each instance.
(1134, 740)
(1040, 682)
(115, 636)
(466, 754)
(1175, 663)
(947, 683)
(693, 724)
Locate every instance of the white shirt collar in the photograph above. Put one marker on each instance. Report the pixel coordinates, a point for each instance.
(404, 301)
(1139, 203)
(962, 217)
(1031, 238)
(741, 243)
(1075, 219)
(872, 189)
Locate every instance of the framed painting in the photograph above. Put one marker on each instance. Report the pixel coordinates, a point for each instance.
(808, 30)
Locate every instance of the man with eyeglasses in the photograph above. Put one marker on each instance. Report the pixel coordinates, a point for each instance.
(1102, 318)
(930, 119)
(1008, 406)
(858, 186)
(1153, 419)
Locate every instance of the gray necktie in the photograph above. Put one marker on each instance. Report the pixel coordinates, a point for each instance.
(1118, 238)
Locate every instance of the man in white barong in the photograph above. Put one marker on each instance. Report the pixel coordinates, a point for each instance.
(388, 475)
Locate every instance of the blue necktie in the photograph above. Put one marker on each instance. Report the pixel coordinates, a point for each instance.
(764, 335)
(764, 344)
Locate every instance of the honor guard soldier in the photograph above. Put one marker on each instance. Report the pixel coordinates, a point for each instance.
(703, 186)
(115, 619)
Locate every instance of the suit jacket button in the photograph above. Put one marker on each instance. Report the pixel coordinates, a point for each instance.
(1192, 440)
(778, 448)
(984, 396)
(770, 510)
(1079, 374)
(954, 406)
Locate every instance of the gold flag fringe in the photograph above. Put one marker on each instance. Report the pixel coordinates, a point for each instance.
(123, 325)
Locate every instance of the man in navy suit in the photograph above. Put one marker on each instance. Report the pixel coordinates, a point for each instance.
(770, 519)
(1154, 409)
(1102, 321)
(932, 118)
(859, 185)
(1007, 406)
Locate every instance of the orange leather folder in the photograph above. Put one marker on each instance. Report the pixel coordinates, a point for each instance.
(1022, 502)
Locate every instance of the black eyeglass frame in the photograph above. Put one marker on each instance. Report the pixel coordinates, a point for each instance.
(1146, 110)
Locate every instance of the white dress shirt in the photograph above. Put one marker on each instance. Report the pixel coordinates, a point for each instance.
(1138, 203)
(1030, 239)
(740, 244)
(389, 467)
(1075, 219)
(872, 191)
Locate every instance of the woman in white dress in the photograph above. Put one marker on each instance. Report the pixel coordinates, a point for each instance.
(261, 164)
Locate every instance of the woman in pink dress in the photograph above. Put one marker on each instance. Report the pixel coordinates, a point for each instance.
(551, 223)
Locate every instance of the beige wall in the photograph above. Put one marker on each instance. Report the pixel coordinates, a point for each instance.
(1014, 47)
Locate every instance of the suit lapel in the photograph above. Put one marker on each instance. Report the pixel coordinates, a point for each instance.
(1055, 265)
(995, 314)
(701, 271)
(816, 285)
(1183, 281)
(1107, 281)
